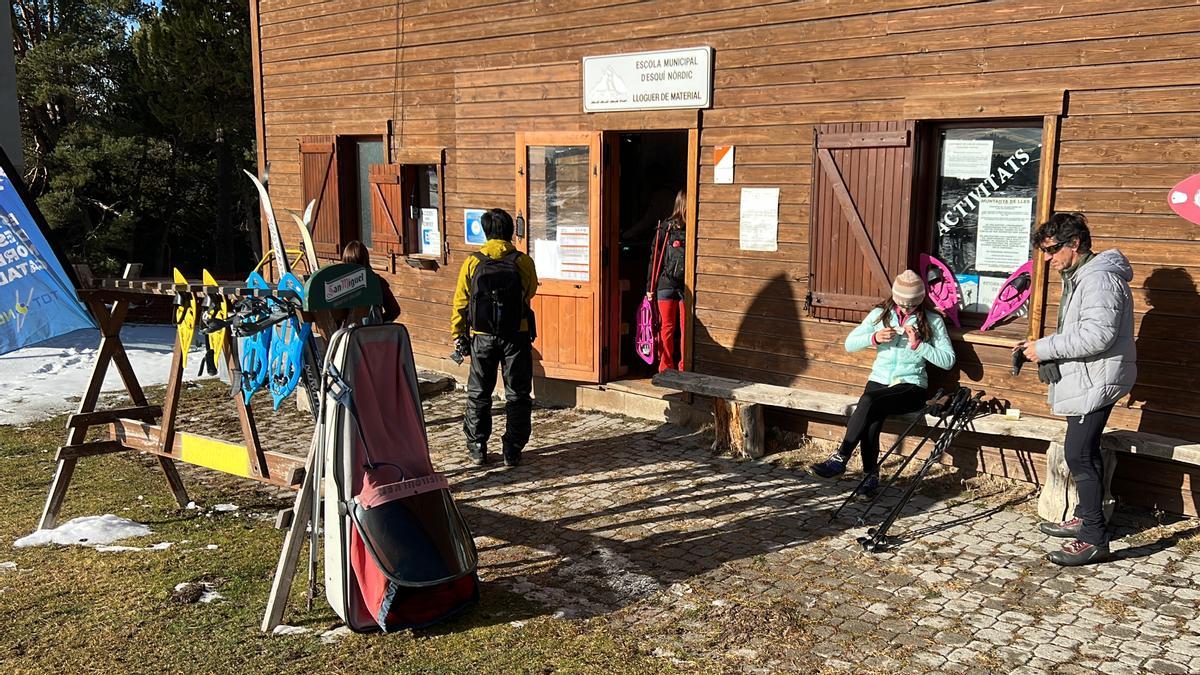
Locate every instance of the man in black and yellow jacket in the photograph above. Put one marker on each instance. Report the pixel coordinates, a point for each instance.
(491, 321)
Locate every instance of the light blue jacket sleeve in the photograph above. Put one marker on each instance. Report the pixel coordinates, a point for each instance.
(938, 349)
(1101, 298)
(860, 338)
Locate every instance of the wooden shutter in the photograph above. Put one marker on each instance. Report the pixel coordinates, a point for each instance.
(318, 181)
(860, 215)
(387, 208)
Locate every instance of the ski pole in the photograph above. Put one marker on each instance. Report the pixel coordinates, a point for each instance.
(890, 450)
(964, 412)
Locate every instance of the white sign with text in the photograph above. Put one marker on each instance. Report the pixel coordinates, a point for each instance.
(673, 78)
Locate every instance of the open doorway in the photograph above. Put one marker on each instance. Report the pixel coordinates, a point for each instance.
(651, 168)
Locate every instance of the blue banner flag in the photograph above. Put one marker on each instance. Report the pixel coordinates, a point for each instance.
(37, 297)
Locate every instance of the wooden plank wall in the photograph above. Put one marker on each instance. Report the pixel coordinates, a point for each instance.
(466, 74)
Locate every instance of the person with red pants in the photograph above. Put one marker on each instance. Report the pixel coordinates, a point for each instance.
(664, 283)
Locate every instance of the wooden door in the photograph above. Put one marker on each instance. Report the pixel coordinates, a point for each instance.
(861, 213)
(558, 176)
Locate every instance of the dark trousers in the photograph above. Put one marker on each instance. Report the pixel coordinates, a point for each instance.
(874, 406)
(515, 356)
(1082, 451)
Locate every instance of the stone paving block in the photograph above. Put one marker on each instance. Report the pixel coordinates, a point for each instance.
(1164, 666)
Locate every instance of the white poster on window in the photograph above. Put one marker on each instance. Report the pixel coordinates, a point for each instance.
(966, 159)
(545, 258)
(759, 222)
(431, 237)
(1002, 240)
(574, 257)
(989, 288)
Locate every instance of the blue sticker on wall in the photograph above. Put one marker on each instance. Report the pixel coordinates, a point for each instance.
(474, 228)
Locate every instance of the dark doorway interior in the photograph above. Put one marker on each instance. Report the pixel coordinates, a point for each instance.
(653, 168)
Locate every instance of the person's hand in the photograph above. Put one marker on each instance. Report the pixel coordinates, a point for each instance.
(649, 295)
(462, 345)
(1030, 350)
(914, 339)
(884, 335)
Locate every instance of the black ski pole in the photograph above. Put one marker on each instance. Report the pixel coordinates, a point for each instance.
(899, 439)
(877, 541)
(942, 409)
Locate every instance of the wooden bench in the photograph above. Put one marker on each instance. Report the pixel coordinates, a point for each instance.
(738, 424)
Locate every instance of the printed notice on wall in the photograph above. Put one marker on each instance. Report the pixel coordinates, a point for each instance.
(723, 164)
(1002, 239)
(431, 239)
(545, 258)
(989, 288)
(966, 159)
(759, 222)
(573, 253)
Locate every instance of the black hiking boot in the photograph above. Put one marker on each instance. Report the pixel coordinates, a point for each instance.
(512, 456)
(478, 455)
(834, 466)
(1077, 553)
(1068, 529)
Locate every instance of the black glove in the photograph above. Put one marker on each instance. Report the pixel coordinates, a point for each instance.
(462, 345)
(1048, 372)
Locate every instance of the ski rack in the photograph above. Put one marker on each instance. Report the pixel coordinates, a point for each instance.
(957, 413)
(135, 428)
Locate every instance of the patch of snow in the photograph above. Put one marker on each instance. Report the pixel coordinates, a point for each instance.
(331, 636)
(160, 546)
(222, 508)
(119, 549)
(212, 547)
(86, 531)
(517, 624)
(10, 565)
(39, 382)
(191, 506)
(208, 592)
(285, 629)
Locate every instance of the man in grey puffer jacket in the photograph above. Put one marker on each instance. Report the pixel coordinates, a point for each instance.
(1096, 362)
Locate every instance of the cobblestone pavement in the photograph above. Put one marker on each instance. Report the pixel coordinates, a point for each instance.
(720, 564)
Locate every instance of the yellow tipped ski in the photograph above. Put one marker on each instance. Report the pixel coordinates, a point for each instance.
(185, 317)
(216, 339)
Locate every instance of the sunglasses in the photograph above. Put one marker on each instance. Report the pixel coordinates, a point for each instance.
(1053, 248)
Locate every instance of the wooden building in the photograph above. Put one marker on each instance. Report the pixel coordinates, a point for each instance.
(400, 117)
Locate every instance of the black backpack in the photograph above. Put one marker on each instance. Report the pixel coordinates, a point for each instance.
(497, 302)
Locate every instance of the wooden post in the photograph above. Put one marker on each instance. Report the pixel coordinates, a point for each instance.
(738, 427)
(289, 555)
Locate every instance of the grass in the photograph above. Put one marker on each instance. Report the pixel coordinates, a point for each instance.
(74, 609)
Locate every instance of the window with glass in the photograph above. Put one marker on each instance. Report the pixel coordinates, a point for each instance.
(984, 204)
(560, 211)
(366, 153)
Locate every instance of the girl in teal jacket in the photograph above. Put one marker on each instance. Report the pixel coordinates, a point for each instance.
(906, 332)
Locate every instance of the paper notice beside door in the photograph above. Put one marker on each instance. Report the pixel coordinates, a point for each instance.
(759, 222)
(431, 239)
(574, 255)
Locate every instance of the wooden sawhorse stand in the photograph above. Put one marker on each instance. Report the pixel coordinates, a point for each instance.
(133, 428)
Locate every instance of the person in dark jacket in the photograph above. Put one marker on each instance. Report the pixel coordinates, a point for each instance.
(356, 253)
(1094, 364)
(491, 349)
(667, 258)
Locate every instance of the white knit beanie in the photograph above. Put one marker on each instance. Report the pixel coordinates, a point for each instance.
(908, 289)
